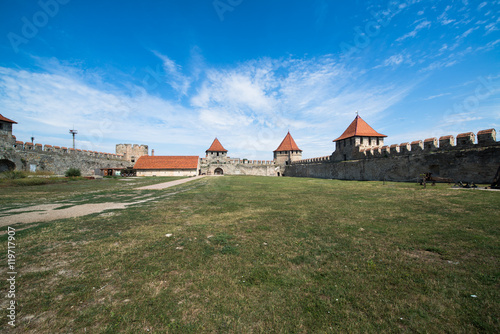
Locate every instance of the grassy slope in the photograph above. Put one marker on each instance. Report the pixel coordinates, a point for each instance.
(257, 254)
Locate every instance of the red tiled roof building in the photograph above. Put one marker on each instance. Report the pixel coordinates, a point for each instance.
(359, 128)
(216, 146)
(287, 151)
(216, 152)
(167, 165)
(6, 128)
(358, 136)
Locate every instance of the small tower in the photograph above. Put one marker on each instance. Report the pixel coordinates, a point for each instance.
(216, 152)
(6, 129)
(287, 152)
(132, 152)
(359, 135)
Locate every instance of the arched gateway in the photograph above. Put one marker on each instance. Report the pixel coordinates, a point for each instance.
(6, 165)
(218, 171)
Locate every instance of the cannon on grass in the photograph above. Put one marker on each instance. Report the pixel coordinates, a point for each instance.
(427, 177)
(128, 172)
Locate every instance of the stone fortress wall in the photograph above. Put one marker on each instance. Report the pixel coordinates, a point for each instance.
(216, 162)
(27, 156)
(236, 166)
(356, 157)
(464, 160)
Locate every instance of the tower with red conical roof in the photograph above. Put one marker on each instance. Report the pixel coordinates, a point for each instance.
(358, 135)
(216, 152)
(287, 152)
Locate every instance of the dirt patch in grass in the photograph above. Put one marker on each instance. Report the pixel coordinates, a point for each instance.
(424, 255)
(49, 212)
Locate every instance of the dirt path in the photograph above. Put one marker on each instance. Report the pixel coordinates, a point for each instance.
(48, 212)
(169, 184)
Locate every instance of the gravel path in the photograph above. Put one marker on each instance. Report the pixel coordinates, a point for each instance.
(170, 184)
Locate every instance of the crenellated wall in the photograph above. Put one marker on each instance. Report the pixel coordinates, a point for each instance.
(132, 152)
(37, 157)
(461, 160)
(236, 166)
(236, 161)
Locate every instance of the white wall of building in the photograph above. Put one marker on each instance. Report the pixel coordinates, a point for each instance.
(167, 172)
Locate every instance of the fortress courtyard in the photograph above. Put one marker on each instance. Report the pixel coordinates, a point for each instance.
(251, 254)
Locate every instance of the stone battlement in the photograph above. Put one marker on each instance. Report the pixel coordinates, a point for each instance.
(236, 161)
(28, 146)
(313, 160)
(467, 157)
(33, 157)
(463, 141)
(132, 152)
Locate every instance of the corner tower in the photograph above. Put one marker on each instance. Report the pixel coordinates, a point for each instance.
(287, 152)
(359, 135)
(216, 152)
(132, 152)
(6, 128)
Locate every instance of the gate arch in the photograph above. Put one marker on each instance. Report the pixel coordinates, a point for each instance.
(218, 171)
(6, 165)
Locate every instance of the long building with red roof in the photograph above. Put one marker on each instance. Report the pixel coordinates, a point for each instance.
(167, 165)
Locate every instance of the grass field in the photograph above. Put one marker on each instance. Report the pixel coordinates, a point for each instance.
(260, 255)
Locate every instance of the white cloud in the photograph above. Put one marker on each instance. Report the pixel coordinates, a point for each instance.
(467, 33)
(51, 103)
(394, 60)
(413, 33)
(173, 75)
(436, 96)
(251, 105)
(491, 27)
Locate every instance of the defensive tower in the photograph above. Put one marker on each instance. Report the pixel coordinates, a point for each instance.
(358, 135)
(6, 128)
(132, 152)
(287, 152)
(216, 152)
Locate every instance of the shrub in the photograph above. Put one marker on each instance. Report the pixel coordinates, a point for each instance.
(73, 172)
(13, 174)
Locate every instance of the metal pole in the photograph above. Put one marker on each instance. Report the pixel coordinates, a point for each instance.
(73, 132)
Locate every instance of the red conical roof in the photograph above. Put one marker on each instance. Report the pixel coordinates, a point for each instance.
(216, 147)
(359, 128)
(288, 144)
(5, 119)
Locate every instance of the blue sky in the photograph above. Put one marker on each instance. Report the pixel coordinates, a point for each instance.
(175, 74)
